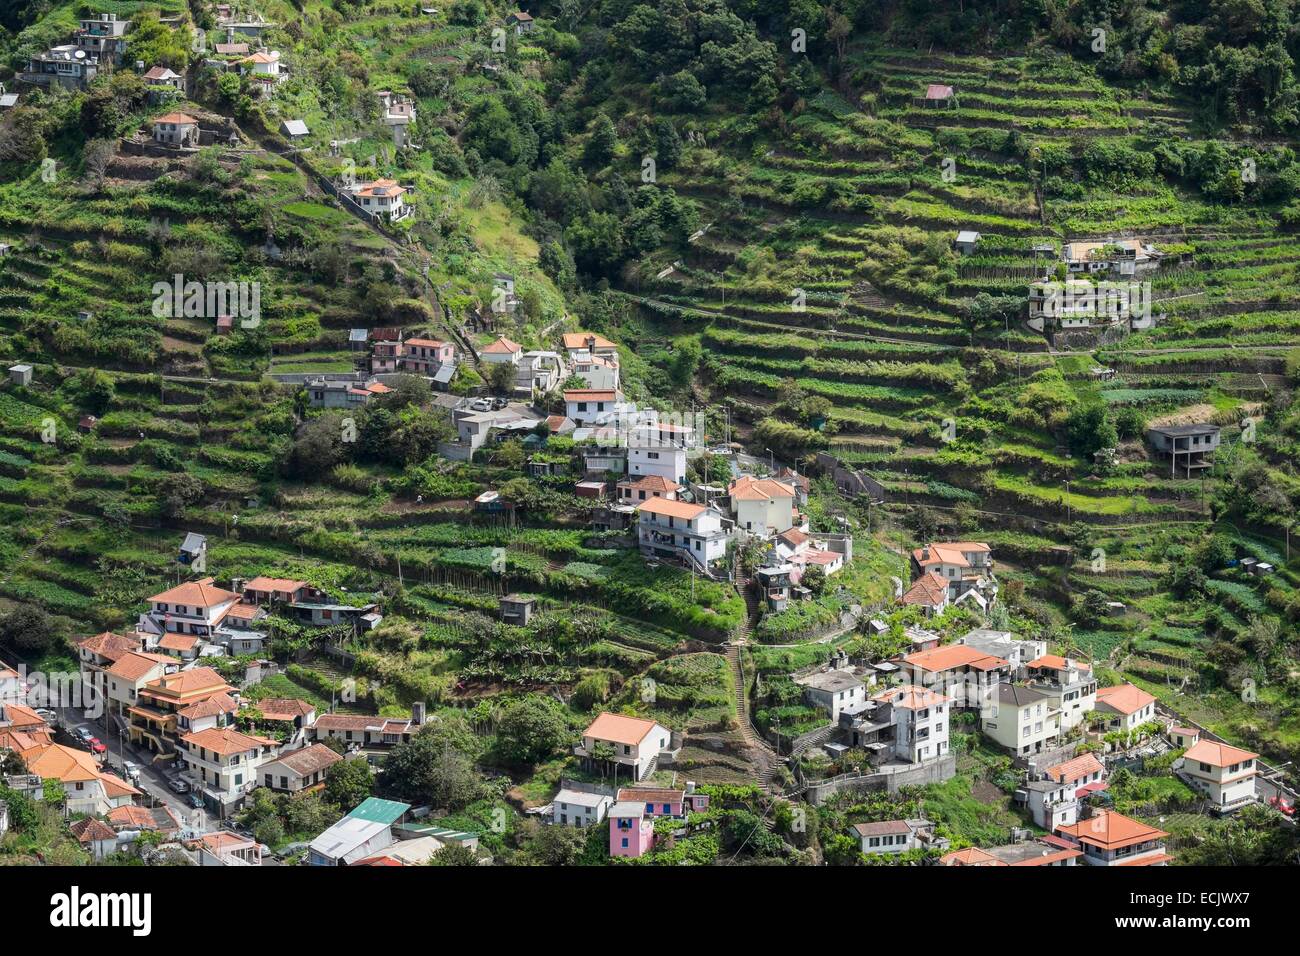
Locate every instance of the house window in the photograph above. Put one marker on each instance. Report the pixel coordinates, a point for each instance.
(625, 843)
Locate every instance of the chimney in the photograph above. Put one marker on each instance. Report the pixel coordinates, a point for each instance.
(237, 585)
(417, 713)
(591, 344)
(690, 786)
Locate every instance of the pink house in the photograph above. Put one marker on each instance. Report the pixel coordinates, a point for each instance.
(425, 356)
(631, 831)
(631, 821)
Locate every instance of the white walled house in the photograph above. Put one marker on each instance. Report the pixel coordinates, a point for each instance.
(1226, 775)
(1125, 706)
(130, 673)
(1053, 801)
(501, 350)
(382, 199)
(176, 129)
(1021, 719)
(593, 406)
(589, 343)
(1108, 838)
(195, 607)
(1070, 683)
(920, 721)
(579, 808)
(299, 771)
(763, 506)
(225, 762)
(658, 450)
(832, 691)
(636, 742)
(674, 528)
(598, 371)
(894, 836)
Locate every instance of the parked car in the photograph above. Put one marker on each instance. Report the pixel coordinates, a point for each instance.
(96, 746)
(131, 771)
(178, 785)
(481, 405)
(49, 716)
(194, 800)
(500, 403)
(83, 735)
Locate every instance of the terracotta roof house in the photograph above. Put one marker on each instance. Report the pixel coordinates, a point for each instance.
(1127, 706)
(929, 591)
(299, 771)
(1226, 775)
(1108, 838)
(632, 742)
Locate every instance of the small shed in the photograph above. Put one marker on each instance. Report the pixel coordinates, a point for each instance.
(590, 489)
(20, 374)
(966, 241)
(225, 324)
(87, 423)
(357, 339)
(194, 549)
(84, 316)
(517, 609)
(5, 249)
(938, 94)
(294, 129)
(8, 100)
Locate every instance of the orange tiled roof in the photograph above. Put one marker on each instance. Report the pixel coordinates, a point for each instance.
(200, 593)
(1124, 698)
(911, 697)
(671, 508)
(260, 583)
(619, 728)
(214, 705)
(1110, 830)
(132, 667)
(1217, 755)
(224, 741)
(1083, 766)
(188, 682)
(758, 489)
(971, 856)
(1053, 662)
(502, 346)
(930, 590)
(577, 341)
(954, 655)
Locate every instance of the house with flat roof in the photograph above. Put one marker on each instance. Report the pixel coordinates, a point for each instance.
(832, 690)
(1189, 448)
(1068, 681)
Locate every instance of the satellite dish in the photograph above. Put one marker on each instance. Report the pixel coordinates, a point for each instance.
(80, 54)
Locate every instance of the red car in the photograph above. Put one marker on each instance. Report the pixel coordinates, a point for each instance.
(95, 746)
(1277, 803)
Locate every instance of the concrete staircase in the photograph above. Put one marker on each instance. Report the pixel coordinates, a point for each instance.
(766, 760)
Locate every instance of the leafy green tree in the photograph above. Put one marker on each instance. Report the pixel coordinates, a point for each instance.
(530, 730)
(349, 782)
